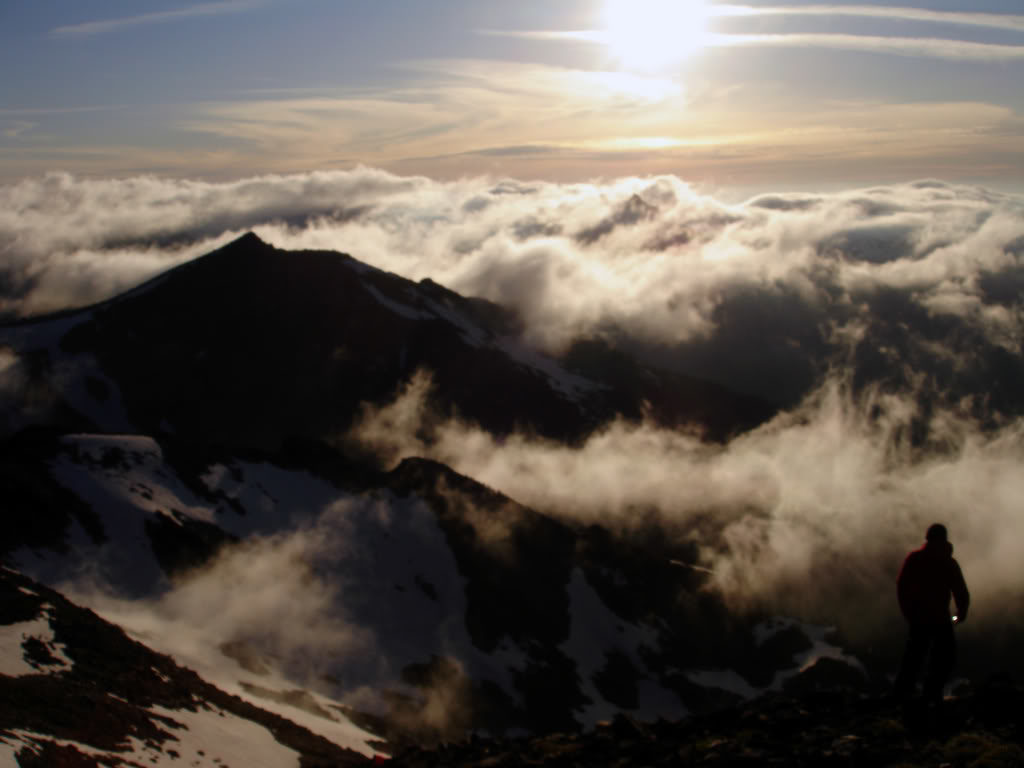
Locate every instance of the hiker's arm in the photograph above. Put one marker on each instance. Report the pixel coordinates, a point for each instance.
(961, 596)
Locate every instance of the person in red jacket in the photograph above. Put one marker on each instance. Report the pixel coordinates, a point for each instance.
(928, 579)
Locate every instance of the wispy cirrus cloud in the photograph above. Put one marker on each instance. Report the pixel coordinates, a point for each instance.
(967, 19)
(950, 48)
(13, 129)
(928, 47)
(94, 28)
(534, 121)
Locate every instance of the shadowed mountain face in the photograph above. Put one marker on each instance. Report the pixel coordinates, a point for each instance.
(78, 692)
(129, 478)
(250, 346)
(484, 615)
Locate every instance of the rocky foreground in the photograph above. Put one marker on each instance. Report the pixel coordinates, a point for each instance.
(76, 691)
(979, 728)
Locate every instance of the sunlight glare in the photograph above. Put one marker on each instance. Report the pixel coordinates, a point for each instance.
(649, 35)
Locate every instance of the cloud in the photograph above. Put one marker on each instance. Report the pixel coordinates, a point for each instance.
(490, 102)
(94, 28)
(14, 382)
(888, 320)
(274, 593)
(929, 47)
(449, 118)
(14, 129)
(823, 500)
(68, 241)
(918, 46)
(959, 18)
(764, 295)
(316, 606)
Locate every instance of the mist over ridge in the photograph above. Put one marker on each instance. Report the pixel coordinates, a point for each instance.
(883, 326)
(894, 282)
(819, 502)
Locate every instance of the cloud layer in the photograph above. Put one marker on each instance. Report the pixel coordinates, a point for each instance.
(811, 514)
(888, 320)
(894, 282)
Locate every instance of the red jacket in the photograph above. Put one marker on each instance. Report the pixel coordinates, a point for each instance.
(928, 579)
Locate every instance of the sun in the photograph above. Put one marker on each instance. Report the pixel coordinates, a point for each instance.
(650, 35)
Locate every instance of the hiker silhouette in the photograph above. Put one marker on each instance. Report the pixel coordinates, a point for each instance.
(928, 579)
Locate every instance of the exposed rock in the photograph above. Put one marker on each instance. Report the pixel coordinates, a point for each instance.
(835, 728)
(827, 674)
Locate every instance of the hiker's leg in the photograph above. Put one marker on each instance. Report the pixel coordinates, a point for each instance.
(913, 658)
(940, 664)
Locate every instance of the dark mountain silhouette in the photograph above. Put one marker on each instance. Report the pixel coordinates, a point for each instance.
(250, 346)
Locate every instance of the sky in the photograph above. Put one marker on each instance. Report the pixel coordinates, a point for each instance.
(749, 96)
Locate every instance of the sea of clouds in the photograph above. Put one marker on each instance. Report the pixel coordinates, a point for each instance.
(886, 322)
(763, 295)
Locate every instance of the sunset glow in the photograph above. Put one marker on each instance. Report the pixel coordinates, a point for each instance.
(447, 381)
(652, 34)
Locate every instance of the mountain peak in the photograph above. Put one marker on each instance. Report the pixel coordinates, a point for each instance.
(248, 240)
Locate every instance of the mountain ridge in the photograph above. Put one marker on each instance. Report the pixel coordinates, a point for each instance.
(305, 337)
(198, 461)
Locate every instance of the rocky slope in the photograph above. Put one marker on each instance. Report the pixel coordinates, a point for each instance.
(482, 614)
(76, 691)
(811, 729)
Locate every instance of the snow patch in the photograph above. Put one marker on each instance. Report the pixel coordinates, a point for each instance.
(729, 680)
(337, 728)
(213, 738)
(274, 499)
(22, 739)
(595, 632)
(472, 334)
(399, 309)
(820, 647)
(43, 333)
(570, 385)
(14, 660)
(77, 378)
(208, 738)
(725, 679)
(139, 448)
(7, 753)
(123, 478)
